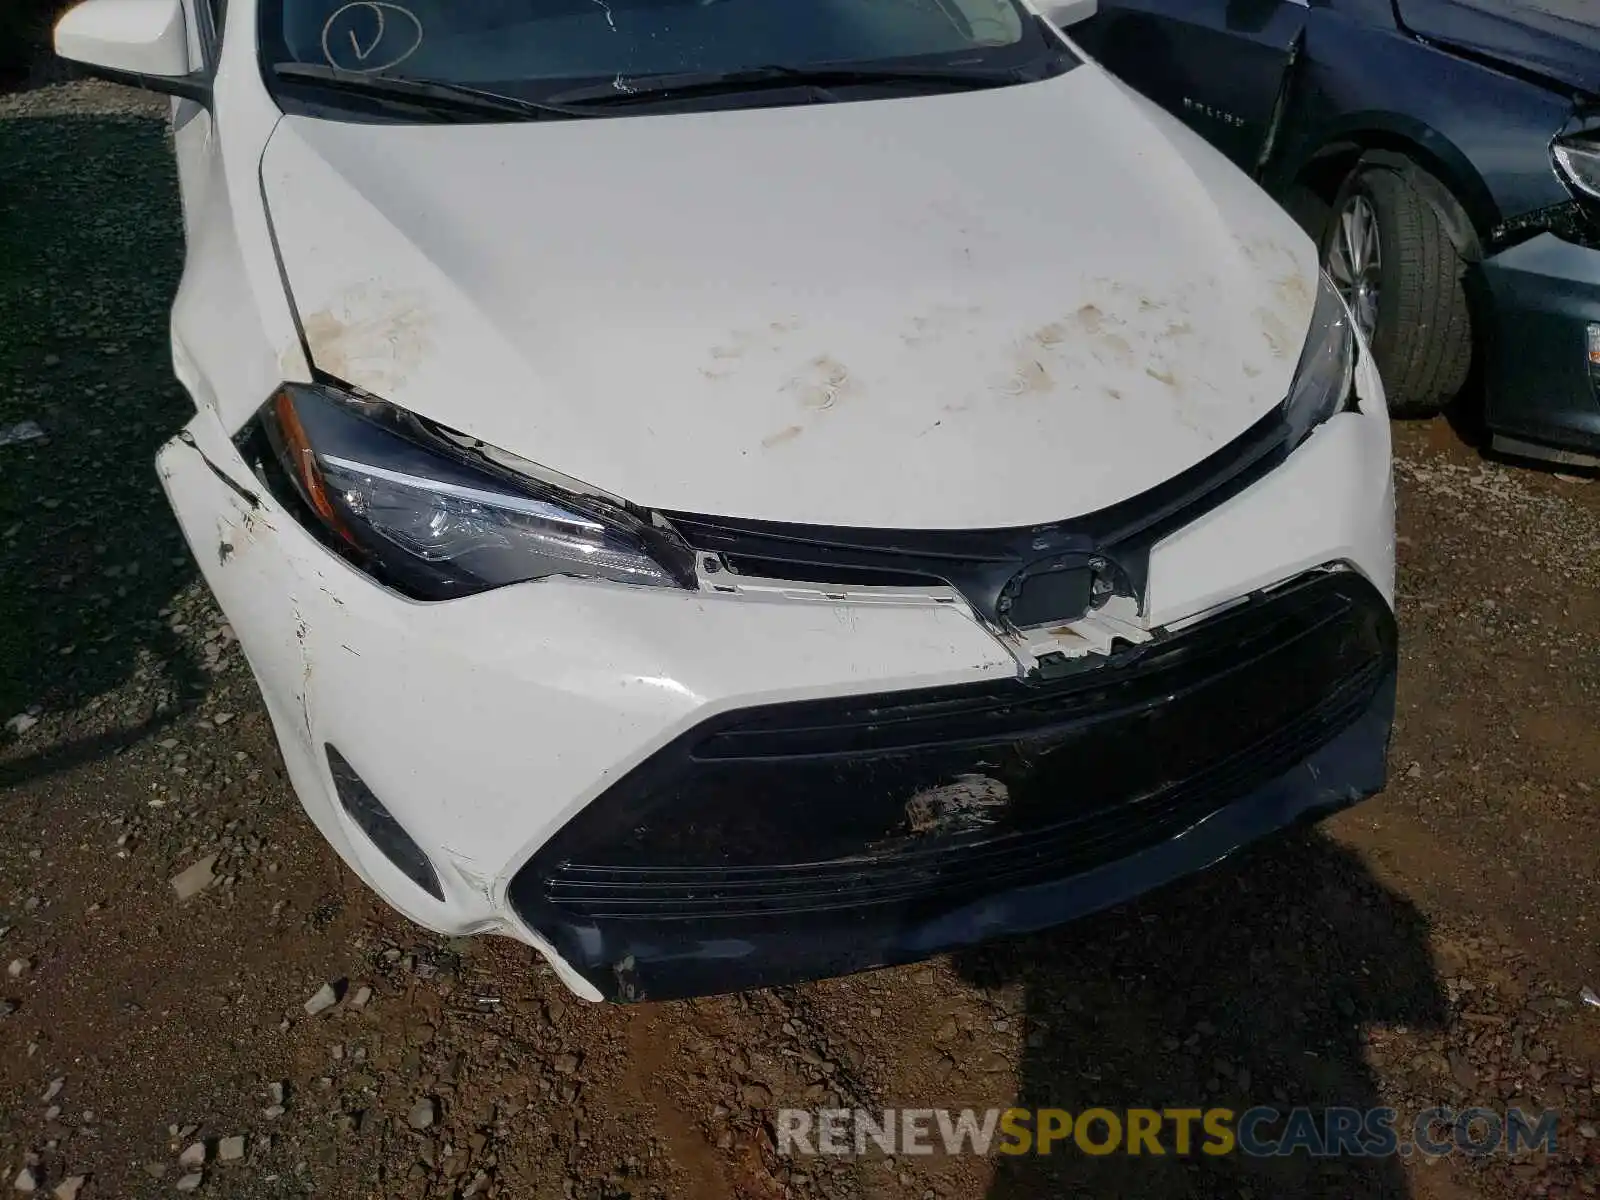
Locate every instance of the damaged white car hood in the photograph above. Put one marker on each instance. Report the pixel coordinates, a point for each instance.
(965, 310)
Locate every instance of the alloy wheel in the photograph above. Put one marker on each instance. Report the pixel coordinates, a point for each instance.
(1355, 261)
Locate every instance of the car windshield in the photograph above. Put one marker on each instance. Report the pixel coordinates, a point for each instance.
(542, 47)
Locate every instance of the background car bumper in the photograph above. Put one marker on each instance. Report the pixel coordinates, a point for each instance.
(483, 725)
(1543, 387)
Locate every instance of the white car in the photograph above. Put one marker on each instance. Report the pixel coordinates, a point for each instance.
(736, 491)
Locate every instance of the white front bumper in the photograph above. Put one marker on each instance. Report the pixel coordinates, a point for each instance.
(483, 724)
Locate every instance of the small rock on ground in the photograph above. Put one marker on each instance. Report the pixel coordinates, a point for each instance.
(193, 880)
(326, 997)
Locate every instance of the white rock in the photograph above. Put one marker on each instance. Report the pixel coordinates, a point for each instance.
(324, 999)
(191, 1181)
(422, 1114)
(69, 1187)
(194, 1155)
(231, 1149)
(54, 1090)
(20, 724)
(25, 1182)
(17, 967)
(362, 996)
(193, 880)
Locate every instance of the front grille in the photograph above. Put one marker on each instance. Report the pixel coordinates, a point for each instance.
(957, 871)
(822, 807)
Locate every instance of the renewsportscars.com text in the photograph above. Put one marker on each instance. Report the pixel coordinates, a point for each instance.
(1261, 1131)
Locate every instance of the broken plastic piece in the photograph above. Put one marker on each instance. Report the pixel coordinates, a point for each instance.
(1589, 997)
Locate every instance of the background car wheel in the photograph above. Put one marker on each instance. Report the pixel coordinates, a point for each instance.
(1390, 257)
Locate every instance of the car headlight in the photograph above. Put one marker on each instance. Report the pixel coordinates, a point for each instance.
(1578, 162)
(1325, 377)
(436, 514)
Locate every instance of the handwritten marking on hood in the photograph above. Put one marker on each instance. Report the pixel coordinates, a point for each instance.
(374, 44)
(370, 337)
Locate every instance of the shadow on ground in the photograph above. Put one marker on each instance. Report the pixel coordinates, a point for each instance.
(90, 254)
(1249, 985)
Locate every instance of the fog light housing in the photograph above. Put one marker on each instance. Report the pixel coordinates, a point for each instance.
(367, 811)
(1594, 349)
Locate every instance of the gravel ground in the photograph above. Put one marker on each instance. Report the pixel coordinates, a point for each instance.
(1427, 947)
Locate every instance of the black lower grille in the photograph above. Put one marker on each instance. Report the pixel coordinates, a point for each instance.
(957, 871)
(903, 804)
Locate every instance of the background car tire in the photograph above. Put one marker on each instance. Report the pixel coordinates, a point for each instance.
(1422, 332)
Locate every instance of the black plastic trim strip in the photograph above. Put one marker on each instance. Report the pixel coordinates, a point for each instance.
(988, 566)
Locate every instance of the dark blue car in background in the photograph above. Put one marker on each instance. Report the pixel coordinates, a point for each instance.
(1445, 154)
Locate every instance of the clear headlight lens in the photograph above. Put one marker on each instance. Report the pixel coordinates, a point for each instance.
(1326, 375)
(1578, 162)
(435, 516)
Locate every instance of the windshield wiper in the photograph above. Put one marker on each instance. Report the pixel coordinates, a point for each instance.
(820, 79)
(431, 94)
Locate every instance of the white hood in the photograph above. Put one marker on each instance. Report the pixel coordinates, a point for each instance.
(965, 310)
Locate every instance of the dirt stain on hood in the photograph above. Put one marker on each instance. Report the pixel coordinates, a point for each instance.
(369, 336)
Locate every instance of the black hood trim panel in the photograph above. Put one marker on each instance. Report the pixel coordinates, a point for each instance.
(991, 567)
